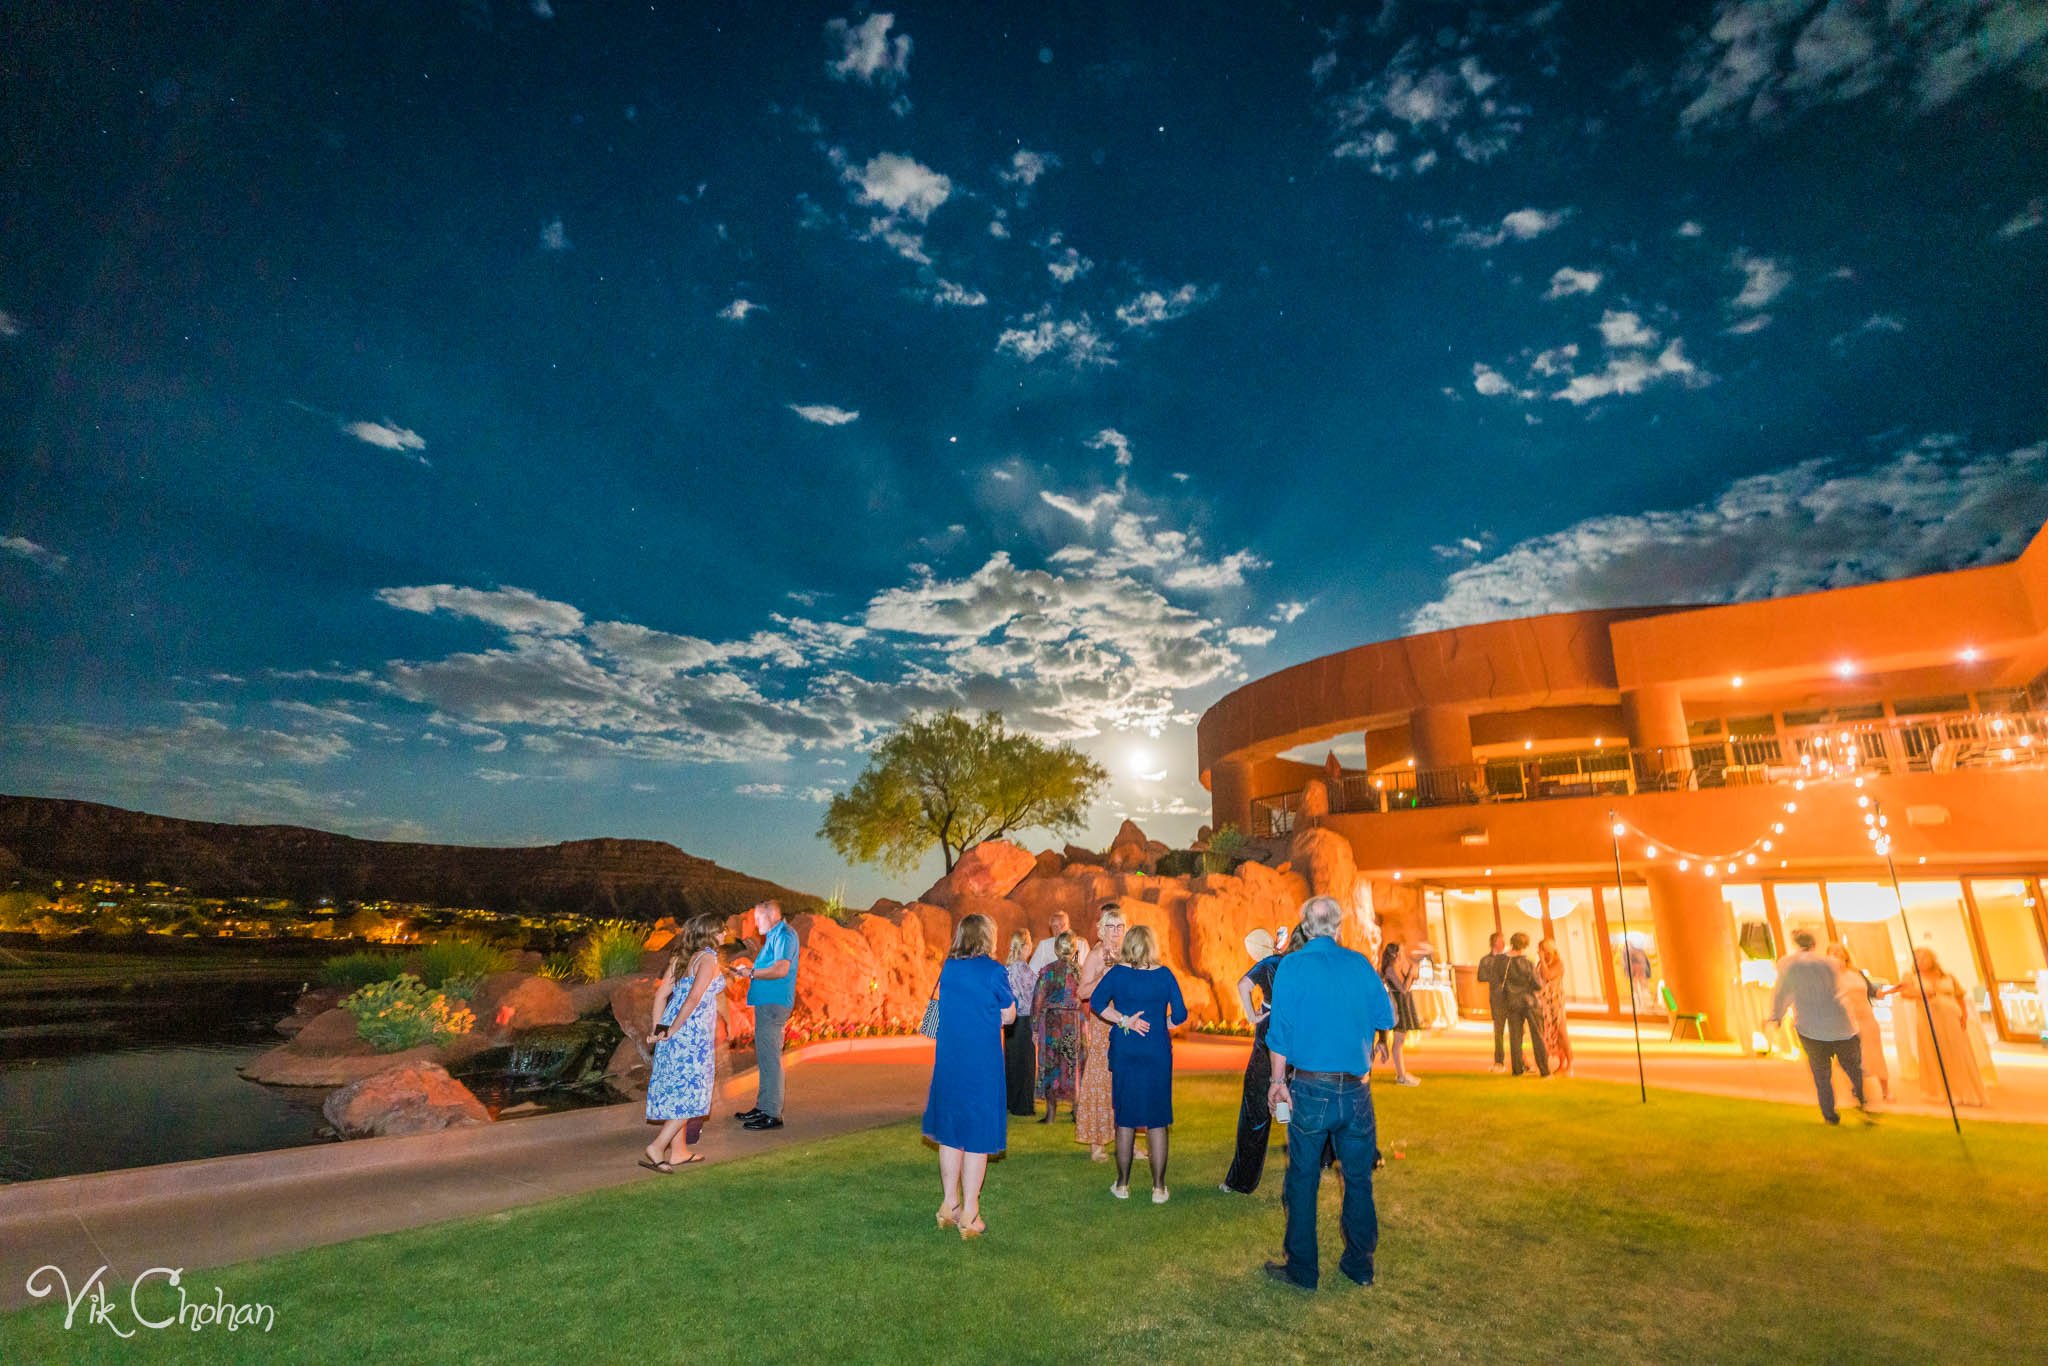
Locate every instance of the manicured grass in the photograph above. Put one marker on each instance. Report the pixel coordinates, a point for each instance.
(1528, 1221)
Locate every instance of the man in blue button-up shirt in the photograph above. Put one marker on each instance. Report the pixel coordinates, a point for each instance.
(1327, 1004)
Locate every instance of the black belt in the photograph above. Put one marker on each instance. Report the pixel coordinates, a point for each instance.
(1303, 1074)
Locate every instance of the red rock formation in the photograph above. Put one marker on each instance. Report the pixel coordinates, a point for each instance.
(907, 969)
(633, 1003)
(414, 1098)
(507, 1001)
(838, 978)
(989, 869)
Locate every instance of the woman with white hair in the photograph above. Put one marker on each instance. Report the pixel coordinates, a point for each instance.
(1254, 1115)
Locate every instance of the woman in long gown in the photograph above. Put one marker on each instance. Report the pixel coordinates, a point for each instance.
(1056, 1016)
(1557, 1039)
(1094, 1119)
(685, 1036)
(1020, 1046)
(1858, 997)
(1949, 1005)
(963, 1113)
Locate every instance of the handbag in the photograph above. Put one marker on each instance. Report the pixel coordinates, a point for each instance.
(929, 1025)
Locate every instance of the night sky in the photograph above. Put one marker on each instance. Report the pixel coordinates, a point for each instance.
(509, 422)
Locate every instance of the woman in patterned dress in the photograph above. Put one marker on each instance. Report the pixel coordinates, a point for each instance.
(684, 1035)
(1557, 1041)
(1094, 1117)
(1056, 1016)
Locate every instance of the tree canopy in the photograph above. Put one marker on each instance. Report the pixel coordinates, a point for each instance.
(947, 780)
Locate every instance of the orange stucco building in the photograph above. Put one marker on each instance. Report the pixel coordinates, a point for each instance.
(1560, 774)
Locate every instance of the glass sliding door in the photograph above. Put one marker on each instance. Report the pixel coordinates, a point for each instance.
(2018, 960)
(1577, 932)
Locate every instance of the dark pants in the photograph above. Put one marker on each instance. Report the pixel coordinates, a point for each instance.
(1254, 1123)
(770, 1024)
(1821, 1056)
(1521, 1015)
(1498, 1009)
(1020, 1065)
(1337, 1113)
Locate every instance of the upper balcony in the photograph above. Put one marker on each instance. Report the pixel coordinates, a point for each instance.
(1793, 756)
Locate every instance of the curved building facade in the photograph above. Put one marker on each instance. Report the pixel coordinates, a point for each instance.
(1670, 793)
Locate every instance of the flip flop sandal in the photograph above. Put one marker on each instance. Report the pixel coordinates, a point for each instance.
(662, 1167)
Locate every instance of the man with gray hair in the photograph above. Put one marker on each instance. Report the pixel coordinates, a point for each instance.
(1328, 1002)
(1808, 985)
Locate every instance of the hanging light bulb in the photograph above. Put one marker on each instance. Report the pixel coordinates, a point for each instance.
(1749, 859)
(1684, 864)
(1778, 827)
(1767, 846)
(1791, 808)
(1619, 830)
(1861, 801)
(1650, 852)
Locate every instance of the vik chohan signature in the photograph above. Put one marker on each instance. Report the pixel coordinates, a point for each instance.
(104, 1311)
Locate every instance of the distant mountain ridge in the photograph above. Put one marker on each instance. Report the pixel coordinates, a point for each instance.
(633, 879)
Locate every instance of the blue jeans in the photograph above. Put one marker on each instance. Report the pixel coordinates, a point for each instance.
(1338, 1113)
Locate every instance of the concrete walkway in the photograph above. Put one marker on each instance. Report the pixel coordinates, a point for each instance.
(231, 1209)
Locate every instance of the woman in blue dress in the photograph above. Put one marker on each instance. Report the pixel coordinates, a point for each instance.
(1142, 1003)
(965, 1112)
(684, 1035)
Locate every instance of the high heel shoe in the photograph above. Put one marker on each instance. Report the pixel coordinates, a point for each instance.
(949, 1220)
(973, 1230)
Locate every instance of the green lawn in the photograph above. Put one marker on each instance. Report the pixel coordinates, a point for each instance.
(1528, 1221)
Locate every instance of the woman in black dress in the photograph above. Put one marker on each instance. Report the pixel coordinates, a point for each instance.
(1397, 970)
(1254, 1113)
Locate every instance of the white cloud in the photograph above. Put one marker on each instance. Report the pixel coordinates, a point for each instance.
(1568, 280)
(1063, 262)
(1623, 329)
(517, 610)
(553, 236)
(865, 51)
(10, 326)
(760, 789)
(497, 775)
(2032, 216)
(738, 309)
(388, 435)
(1755, 322)
(951, 295)
(1152, 306)
(1026, 167)
(824, 414)
(1491, 383)
(1763, 280)
(1931, 506)
(1523, 225)
(1401, 120)
(1767, 62)
(42, 557)
(1110, 439)
(1558, 360)
(1288, 612)
(1075, 340)
(815, 794)
(1633, 373)
(900, 184)
(197, 739)
(1877, 324)
(1250, 637)
(1689, 228)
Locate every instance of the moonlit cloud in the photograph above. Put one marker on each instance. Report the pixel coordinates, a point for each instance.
(2032, 216)
(512, 609)
(1567, 281)
(42, 557)
(1619, 329)
(738, 309)
(950, 295)
(1818, 524)
(388, 435)
(1403, 120)
(1763, 280)
(760, 789)
(1152, 306)
(553, 236)
(1523, 225)
(865, 52)
(824, 414)
(1026, 167)
(1063, 262)
(10, 326)
(1250, 637)
(1633, 373)
(1074, 340)
(1876, 325)
(900, 184)
(1110, 439)
(1288, 612)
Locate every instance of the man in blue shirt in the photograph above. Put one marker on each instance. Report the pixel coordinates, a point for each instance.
(771, 994)
(1327, 1004)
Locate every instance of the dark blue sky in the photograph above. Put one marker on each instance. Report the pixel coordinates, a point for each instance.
(516, 421)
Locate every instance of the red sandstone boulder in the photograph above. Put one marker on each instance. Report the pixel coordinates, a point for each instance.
(661, 934)
(838, 979)
(629, 1068)
(1074, 854)
(885, 907)
(899, 950)
(1049, 863)
(1315, 805)
(331, 1031)
(506, 1001)
(590, 997)
(989, 869)
(1325, 860)
(414, 1098)
(937, 923)
(314, 1003)
(633, 1003)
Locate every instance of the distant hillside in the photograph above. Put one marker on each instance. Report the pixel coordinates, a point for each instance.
(634, 879)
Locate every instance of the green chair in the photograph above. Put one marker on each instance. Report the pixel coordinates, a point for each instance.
(1680, 1018)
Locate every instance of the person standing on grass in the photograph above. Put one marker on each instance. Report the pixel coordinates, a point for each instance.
(772, 993)
(1056, 1015)
(684, 1032)
(1493, 969)
(1859, 997)
(1254, 1115)
(963, 1111)
(1397, 974)
(1328, 1002)
(1020, 1052)
(1806, 984)
(1141, 1001)
(1094, 1119)
(1523, 989)
(1047, 950)
(1557, 1039)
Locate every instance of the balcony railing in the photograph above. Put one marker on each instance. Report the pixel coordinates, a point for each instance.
(1907, 744)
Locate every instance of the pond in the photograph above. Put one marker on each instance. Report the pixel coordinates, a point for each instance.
(143, 1072)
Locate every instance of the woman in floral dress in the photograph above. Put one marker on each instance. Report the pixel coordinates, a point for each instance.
(685, 1039)
(1056, 1016)
(1557, 1040)
(1094, 1117)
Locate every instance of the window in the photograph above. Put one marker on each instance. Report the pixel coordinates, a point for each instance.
(1468, 922)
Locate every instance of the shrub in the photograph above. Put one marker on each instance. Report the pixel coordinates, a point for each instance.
(354, 970)
(1225, 851)
(612, 950)
(459, 960)
(556, 967)
(1181, 863)
(404, 1012)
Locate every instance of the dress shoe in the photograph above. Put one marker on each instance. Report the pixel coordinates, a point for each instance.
(1363, 1281)
(763, 1122)
(1278, 1271)
(744, 1115)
